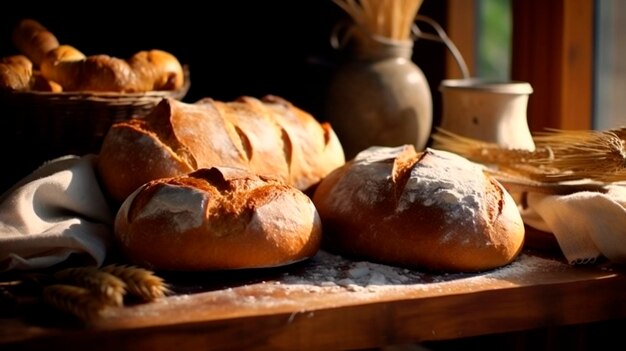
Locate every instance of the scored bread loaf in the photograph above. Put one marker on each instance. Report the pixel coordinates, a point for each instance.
(268, 137)
(217, 218)
(432, 210)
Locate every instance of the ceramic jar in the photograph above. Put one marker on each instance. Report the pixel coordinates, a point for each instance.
(490, 111)
(379, 96)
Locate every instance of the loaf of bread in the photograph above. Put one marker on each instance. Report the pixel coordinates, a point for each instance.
(268, 137)
(217, 218)
(430, 210)
(70, 69)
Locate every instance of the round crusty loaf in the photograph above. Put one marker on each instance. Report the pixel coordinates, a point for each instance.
(268, 136)
(217, 218)
(432, 210)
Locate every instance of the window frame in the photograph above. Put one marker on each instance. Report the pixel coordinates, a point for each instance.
(552, 49)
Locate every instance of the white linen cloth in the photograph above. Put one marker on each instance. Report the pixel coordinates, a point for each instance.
(586, 224)
(56, 211)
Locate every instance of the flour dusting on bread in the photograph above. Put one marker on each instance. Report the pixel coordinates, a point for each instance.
(179, 204)
(429, 208)
(450, 182)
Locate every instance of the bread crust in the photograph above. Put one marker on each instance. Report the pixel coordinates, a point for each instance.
(71, 70)
(144, 71)
(431, 210)
(217, 218)
(33, 40)
(268, 137)
(16, 73)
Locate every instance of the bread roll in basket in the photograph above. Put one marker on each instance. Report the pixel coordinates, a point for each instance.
(57, 101)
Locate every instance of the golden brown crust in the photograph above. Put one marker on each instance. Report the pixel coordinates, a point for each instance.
(33, 40)
(259, 151)
(16, 73)
(145, 71)
(312, 149)
(156, 70)
(267, 137)
(218, 218)
(428, 210)
(121, 171)
(39, 83)
(73, 71)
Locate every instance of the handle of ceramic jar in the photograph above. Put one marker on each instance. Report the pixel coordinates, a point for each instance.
(340, 34)
(441, 37)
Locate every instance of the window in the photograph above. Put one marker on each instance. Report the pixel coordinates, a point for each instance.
(609, 100)
(551, 48)
(493, 57)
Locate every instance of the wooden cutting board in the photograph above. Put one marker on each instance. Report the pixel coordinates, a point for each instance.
(330, 302)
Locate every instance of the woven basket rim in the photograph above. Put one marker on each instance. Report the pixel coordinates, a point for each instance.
(108, 95)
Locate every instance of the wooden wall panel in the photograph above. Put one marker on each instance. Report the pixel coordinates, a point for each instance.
(462, 30)
(552, 49)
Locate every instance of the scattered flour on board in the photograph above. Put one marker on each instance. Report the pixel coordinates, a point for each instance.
(327, 274)
(327, 271)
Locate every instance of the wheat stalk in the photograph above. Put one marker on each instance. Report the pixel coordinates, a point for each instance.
(109, 288)
(484, 152)
(139, 282)
(558, 156)
(392, 19)
(86, 291)
(74, 300)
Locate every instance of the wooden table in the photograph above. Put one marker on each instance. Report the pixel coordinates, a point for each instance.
(329, 303)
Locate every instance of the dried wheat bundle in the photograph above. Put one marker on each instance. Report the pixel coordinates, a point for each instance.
(620, 132)
(74, 300)
(139, 282)
(598, 155)
(559, 155)
(109, 288)
(391, 19)
(86, 291)
(483, 152)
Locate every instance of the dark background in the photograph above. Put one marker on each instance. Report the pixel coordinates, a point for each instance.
(232, 47)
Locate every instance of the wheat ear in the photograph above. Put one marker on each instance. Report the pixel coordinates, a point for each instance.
(139, 282)
(106, 286)
(484, 152)
(558, 156)
(387, 18)
(74, 300)
(588, 154)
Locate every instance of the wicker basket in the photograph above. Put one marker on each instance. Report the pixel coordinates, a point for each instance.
(39, 126)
